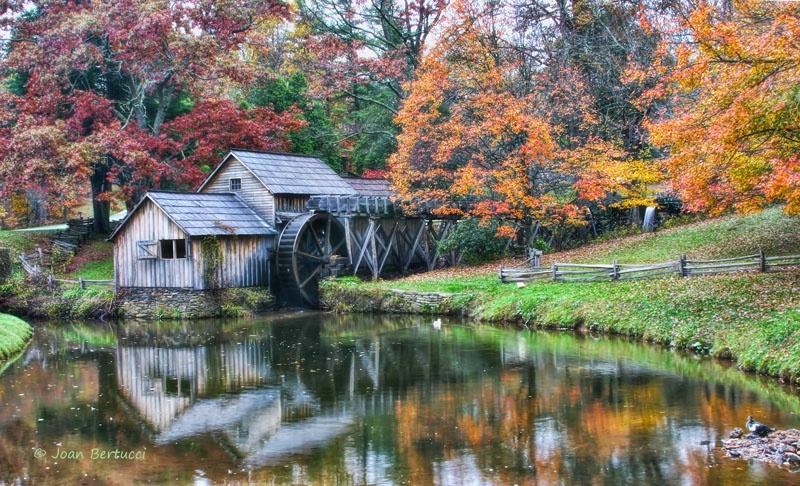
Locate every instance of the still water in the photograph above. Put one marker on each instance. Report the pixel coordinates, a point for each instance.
(310, 398)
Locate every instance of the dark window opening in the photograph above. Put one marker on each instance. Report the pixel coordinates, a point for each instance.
(171, 249)
(236, 184)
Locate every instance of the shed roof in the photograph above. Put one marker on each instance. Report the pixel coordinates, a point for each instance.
(205, 214)
(370, 187)
(289, 173)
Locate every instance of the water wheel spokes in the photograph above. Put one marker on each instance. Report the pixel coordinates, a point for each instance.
(305, 248)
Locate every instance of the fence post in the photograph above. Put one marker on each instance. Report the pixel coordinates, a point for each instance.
(555, 271)
(681, 265)
(81, 283)
(762, 259)
(615, 270)
(501, 274)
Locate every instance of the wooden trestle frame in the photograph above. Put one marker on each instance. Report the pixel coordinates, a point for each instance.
(377, 233)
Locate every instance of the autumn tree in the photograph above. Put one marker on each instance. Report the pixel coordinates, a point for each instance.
(732, 132)
(479, 137)
(93, 88)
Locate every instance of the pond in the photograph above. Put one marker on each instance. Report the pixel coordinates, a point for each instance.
(311, 398)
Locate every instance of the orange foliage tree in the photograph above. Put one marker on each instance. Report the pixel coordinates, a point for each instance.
(732, 130)
(479, 140)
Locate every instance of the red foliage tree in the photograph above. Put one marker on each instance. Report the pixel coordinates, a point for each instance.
(95, 85)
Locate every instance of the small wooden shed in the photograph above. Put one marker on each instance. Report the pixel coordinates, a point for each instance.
(194, 241)
(276, 185)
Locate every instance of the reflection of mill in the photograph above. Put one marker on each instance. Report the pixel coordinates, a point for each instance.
(229, 391)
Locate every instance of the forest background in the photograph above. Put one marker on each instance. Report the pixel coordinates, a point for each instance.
(551, 114)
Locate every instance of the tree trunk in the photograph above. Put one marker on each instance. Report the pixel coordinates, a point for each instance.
(101, 209)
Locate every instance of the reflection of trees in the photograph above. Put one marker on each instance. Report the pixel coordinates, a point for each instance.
(373, 401)
(553, 419)
(509, 407)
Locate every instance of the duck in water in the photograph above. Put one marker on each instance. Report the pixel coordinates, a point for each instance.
(757, 428)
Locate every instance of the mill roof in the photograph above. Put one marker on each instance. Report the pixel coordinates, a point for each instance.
(289, 173)
(206, 214)
(370, 187)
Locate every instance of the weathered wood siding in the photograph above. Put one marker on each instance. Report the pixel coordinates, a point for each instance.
(149, 223)
(252, 191)
(245, 262)
(290, 203)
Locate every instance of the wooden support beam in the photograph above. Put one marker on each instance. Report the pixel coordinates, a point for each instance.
(363, 246)
(388, 247)
(373, 247)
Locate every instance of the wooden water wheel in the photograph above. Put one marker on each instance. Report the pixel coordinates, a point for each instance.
(309, 246)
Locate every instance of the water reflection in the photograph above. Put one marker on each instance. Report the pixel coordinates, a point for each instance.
(312, 398)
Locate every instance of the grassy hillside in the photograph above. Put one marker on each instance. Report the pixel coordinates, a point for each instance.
(14, 335)
(26, 297)
(752, 318)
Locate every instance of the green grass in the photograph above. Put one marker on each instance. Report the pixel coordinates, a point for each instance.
(94, 270)
(771, 230)
(750, 317)
(23, 241)
(94, 261)
(14, 335)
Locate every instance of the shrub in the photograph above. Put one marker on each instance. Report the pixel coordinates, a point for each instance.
(474, 240)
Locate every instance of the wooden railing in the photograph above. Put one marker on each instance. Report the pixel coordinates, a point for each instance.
(577, 272)
(35, 263)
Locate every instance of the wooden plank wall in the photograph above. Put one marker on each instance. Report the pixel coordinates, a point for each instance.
(252, 192)
(149, 223)
(290, 203)
(245, 261)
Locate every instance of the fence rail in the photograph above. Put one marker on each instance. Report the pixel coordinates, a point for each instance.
(34, 263)
(577, 272)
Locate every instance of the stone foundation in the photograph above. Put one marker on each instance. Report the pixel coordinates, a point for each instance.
(177, 303)
(394, 301)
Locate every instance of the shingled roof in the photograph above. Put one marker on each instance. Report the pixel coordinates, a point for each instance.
(370, 187)
(290, 173)
(205, 214)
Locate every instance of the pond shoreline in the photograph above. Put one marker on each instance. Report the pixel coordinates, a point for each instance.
(350, 296)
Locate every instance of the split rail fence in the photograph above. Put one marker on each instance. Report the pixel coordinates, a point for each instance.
(578, 272)
(35, 263)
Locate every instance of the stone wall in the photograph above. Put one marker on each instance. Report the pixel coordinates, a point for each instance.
(393, 301)
(177, 303)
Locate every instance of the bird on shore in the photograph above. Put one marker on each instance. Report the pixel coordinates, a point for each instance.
(757, 428)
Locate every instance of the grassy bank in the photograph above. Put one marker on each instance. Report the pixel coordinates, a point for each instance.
(33, 297)
(751, 318)
(14, 335)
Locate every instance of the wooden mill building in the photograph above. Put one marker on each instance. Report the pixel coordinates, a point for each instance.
(263, 219)
(161, 243)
